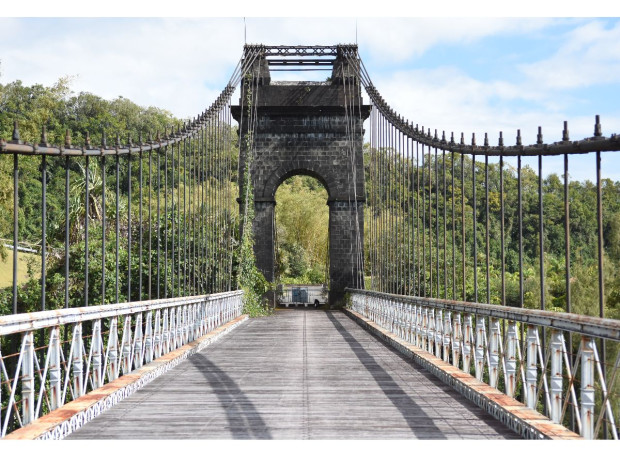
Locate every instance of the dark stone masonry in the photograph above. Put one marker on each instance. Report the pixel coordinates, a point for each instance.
(314, 129)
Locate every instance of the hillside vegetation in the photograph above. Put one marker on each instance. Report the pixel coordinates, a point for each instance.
(301, 212)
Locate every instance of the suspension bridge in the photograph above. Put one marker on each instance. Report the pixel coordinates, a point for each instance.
(140, 329)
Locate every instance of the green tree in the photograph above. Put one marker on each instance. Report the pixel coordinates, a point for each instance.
(302, 218)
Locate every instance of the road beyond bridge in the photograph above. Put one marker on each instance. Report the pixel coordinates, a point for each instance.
(299, 374)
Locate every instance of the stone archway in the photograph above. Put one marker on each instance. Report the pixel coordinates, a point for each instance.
(306, 128)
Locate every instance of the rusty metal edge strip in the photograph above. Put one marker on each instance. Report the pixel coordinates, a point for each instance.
(526, 422)
(56, 425)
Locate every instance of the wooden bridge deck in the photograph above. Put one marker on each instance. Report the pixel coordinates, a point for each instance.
(300, 374)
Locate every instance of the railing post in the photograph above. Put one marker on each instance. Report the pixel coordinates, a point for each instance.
(431, 331)
(174, 328)
(531, 360)
(148, 338)
(184, 323)
(157, 339)
(192, 329)
(77, 361)
(28, 378)
(447, 336)
(467, 337)
(189, 322)
(126, 346)
(402, 320)
(381, 314)
(395, 317)
(479, 352)
(214, 313)
(165, 335)
(494, 336)
(384, 313)
(418, 325)
(196, 320)
(179, 327)
(510, 376)
(406, 320)
(113, 369)
(557, 343)
(96, 351)
(456, 340)
(55, 379)
(137, 344)
(438, 332)
(171, 326)
(587, 388)
(410, 322)
(207, 315)
(209, 309)
(202, 314)
(424, 328)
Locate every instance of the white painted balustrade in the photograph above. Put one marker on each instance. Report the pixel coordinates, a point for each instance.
(50, 358)
(548, 360)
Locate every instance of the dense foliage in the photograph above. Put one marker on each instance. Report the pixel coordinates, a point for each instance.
(153, 276)
(301, 214)
(397, 212)
(302, 218)
(249, 278)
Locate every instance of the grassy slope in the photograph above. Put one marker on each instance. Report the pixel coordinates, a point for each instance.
(6, 267)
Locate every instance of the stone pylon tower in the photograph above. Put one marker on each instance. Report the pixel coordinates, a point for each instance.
(315, 129)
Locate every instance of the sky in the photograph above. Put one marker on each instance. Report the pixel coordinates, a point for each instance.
(464, 73)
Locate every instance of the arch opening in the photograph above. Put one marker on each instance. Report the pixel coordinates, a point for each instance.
(301, 231)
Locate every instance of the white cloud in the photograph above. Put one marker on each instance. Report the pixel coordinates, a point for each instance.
(404, 38)
(183, 64)
(179, 65)
(449, 100)
(589, 55)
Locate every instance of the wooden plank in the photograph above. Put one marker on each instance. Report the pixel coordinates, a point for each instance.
(300, 374)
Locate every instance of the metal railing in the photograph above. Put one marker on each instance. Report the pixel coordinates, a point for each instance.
(139, 234)
(563, 378)
(453, 221)
(134, 219)
(60, 355)
(162, 228)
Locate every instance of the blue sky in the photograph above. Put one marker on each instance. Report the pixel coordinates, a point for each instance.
(469, 74)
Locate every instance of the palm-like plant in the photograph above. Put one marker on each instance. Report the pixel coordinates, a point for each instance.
(77, 203)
